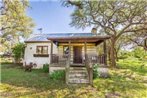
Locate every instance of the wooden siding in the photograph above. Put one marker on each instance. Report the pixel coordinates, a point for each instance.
(91, 49)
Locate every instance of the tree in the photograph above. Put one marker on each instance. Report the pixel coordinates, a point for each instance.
(114, 17)
(139, 39)
(18, 51)
(14, 21)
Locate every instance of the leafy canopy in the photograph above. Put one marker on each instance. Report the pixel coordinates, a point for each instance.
(14, 21)
(115, 17)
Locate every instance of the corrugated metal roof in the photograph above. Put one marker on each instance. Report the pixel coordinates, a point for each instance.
(43, 37)
(38, 38)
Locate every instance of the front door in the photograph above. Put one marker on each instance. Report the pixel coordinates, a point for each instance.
(77, 50)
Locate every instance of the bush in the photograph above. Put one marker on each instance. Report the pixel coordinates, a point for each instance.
(18, 52)
(46, 67)
(124, 54)
(96, 74)
(58, 75)
(139, 53)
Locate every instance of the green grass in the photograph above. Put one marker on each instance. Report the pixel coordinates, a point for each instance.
(36, 84)
(135, 65)
(129, 80)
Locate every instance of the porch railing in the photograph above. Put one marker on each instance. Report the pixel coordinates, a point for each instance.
(94, 59)
(101, 59)
(90, 61)
(59, 60)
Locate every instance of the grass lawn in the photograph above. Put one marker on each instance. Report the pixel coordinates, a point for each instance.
(127, 81)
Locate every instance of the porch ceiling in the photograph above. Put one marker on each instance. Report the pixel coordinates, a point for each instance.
(80, 39)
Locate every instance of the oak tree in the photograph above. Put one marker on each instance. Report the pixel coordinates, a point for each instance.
(114, 17)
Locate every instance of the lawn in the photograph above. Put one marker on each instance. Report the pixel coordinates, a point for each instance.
(129, 80)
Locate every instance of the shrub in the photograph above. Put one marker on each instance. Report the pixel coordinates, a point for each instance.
(139, 53)
(96, 74)
(18, 51)
(124, 54)
(46, 67)
(58, 75)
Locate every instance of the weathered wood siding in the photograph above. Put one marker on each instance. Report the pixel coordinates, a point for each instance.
(91, 49)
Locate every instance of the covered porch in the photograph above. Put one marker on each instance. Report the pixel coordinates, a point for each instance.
(78, 57)
(76, 51)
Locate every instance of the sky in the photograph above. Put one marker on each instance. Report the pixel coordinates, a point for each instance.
(52, 17)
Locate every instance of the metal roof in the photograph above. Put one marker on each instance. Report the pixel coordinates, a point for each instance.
(45, 37)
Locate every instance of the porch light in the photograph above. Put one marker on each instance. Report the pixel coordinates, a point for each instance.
(94, 31)
(56, 43)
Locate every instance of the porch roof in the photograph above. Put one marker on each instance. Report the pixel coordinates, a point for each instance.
(65, 37)
(96, 38)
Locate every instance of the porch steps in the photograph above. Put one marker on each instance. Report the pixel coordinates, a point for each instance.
(78, 75)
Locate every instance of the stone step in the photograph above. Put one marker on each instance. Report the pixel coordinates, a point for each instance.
(77, 80)
(78, 72)
(80, 76)
(78, 68)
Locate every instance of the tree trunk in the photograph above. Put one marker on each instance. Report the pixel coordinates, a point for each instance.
(109, 57)
(145, 44)
(16, 60)
(112, 53)
(116, 54)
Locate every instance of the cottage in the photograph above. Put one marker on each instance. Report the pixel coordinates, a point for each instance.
(38, 49)
(73, 52)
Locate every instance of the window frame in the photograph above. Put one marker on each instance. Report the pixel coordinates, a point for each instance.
(42, 52)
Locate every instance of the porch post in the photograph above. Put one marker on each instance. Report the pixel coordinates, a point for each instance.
(105, 52)
(68, 63)
(69, 45)
(85, 51)
(51, 54)
(88, 65)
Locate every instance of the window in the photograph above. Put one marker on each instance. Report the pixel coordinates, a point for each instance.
(42, 50)
(65, 50)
